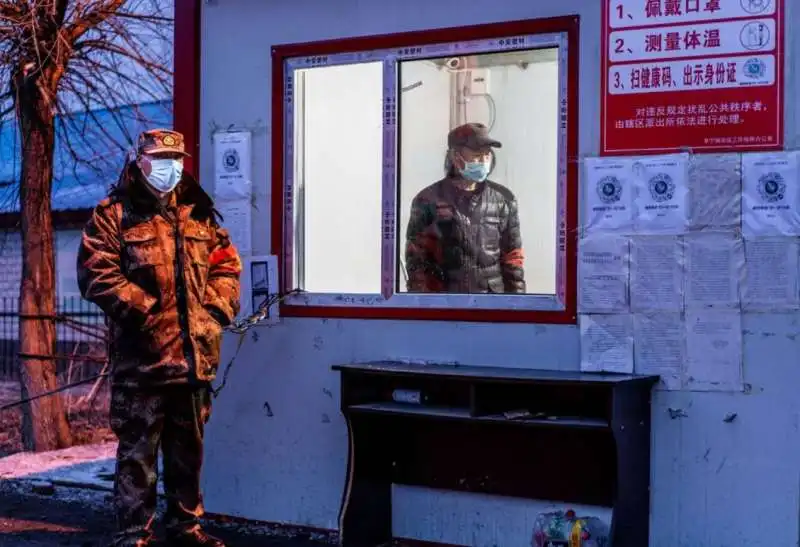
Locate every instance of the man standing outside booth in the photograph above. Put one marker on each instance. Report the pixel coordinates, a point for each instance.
(464, 232)
(154, 259)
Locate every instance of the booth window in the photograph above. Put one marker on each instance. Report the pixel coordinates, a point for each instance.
(429, 175)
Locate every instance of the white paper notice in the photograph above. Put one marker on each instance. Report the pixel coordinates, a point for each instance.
(715, 191)
(661, 194)
(656, 273)
(771, 277)
(714, 269)
(603, 274)
(232, 165)
(714, 350)
(609, 195)
(660, 347)
(770, 195)
(606, 343)
(237, 220)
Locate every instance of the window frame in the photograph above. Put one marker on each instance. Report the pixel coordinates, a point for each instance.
(412, 306)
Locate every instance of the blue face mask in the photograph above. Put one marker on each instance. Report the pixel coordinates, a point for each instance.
(476, 171)
(165, 174)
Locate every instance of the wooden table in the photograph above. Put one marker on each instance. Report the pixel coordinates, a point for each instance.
(574, 437)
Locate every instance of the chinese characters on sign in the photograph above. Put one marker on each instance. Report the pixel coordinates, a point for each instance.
(704, 75)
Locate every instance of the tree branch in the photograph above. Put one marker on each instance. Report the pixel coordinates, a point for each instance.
(87, 20)
(7, 107)
(92, 88)
(73, 126)
(60, 11)
(5, 112)
(11, 10)
(66, 139)
(140, 17)
(98, 67)
(99, 45)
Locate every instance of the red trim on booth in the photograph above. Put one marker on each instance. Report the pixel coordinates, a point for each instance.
(280, 54)
(186, 79)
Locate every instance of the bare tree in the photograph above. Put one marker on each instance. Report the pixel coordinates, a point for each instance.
(67, 67)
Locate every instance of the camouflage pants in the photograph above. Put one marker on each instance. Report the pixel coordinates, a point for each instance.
(172, 417)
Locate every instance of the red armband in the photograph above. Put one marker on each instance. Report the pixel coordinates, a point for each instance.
(514, 258)
(225, 260)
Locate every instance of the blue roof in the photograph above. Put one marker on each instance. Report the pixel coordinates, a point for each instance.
(90, 152)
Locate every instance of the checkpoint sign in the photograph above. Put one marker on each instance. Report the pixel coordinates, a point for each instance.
(704, 75)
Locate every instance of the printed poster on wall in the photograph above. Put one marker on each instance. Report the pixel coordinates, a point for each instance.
(705, 75)
(232, 165)
(662, 191)
(233, 185)
(770, 196)
(609, 196)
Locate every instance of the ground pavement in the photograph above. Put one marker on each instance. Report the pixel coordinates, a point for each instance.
(64, 498)
(39, 514)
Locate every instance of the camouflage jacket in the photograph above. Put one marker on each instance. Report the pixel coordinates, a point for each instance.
(167, 277)
(464, 242)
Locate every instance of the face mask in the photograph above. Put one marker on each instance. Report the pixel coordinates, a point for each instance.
(476, 171)
(165, 174)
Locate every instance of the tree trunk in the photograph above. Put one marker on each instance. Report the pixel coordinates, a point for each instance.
(44, 423)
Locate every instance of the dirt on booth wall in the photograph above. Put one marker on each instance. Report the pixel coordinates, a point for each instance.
(88, 422)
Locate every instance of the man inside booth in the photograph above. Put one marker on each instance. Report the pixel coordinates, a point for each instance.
(464, 235)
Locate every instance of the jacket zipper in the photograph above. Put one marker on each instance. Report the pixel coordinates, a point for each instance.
(180, 297)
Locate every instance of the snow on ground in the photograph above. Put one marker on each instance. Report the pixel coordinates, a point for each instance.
(87, 466)
(93, 500)
(83, 475)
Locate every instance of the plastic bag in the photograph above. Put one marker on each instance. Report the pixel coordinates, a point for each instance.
(565, 529)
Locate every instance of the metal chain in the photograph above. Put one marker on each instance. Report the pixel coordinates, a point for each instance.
(239, 326)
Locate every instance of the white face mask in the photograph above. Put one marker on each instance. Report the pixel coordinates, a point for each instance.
(165, 174)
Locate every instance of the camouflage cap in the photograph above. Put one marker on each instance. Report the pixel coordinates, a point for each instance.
(161, 141)
(471, 135)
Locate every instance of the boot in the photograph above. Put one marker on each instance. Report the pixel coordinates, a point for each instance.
(132, 542)
(193, 537)
(133, 538)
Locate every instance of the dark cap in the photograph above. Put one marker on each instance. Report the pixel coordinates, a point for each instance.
(471, 135)
(161, 141)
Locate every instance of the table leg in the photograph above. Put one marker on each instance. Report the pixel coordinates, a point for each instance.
(365, 518)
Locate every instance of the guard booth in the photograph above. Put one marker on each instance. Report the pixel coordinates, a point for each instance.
(646, 372)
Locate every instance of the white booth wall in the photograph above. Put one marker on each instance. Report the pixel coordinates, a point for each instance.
(277, 446)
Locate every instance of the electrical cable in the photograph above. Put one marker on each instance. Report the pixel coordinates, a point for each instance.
(240, 327)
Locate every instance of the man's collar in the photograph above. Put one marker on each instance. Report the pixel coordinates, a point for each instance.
(188, 192)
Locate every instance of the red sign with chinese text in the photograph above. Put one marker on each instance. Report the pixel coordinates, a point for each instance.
(703, 75)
